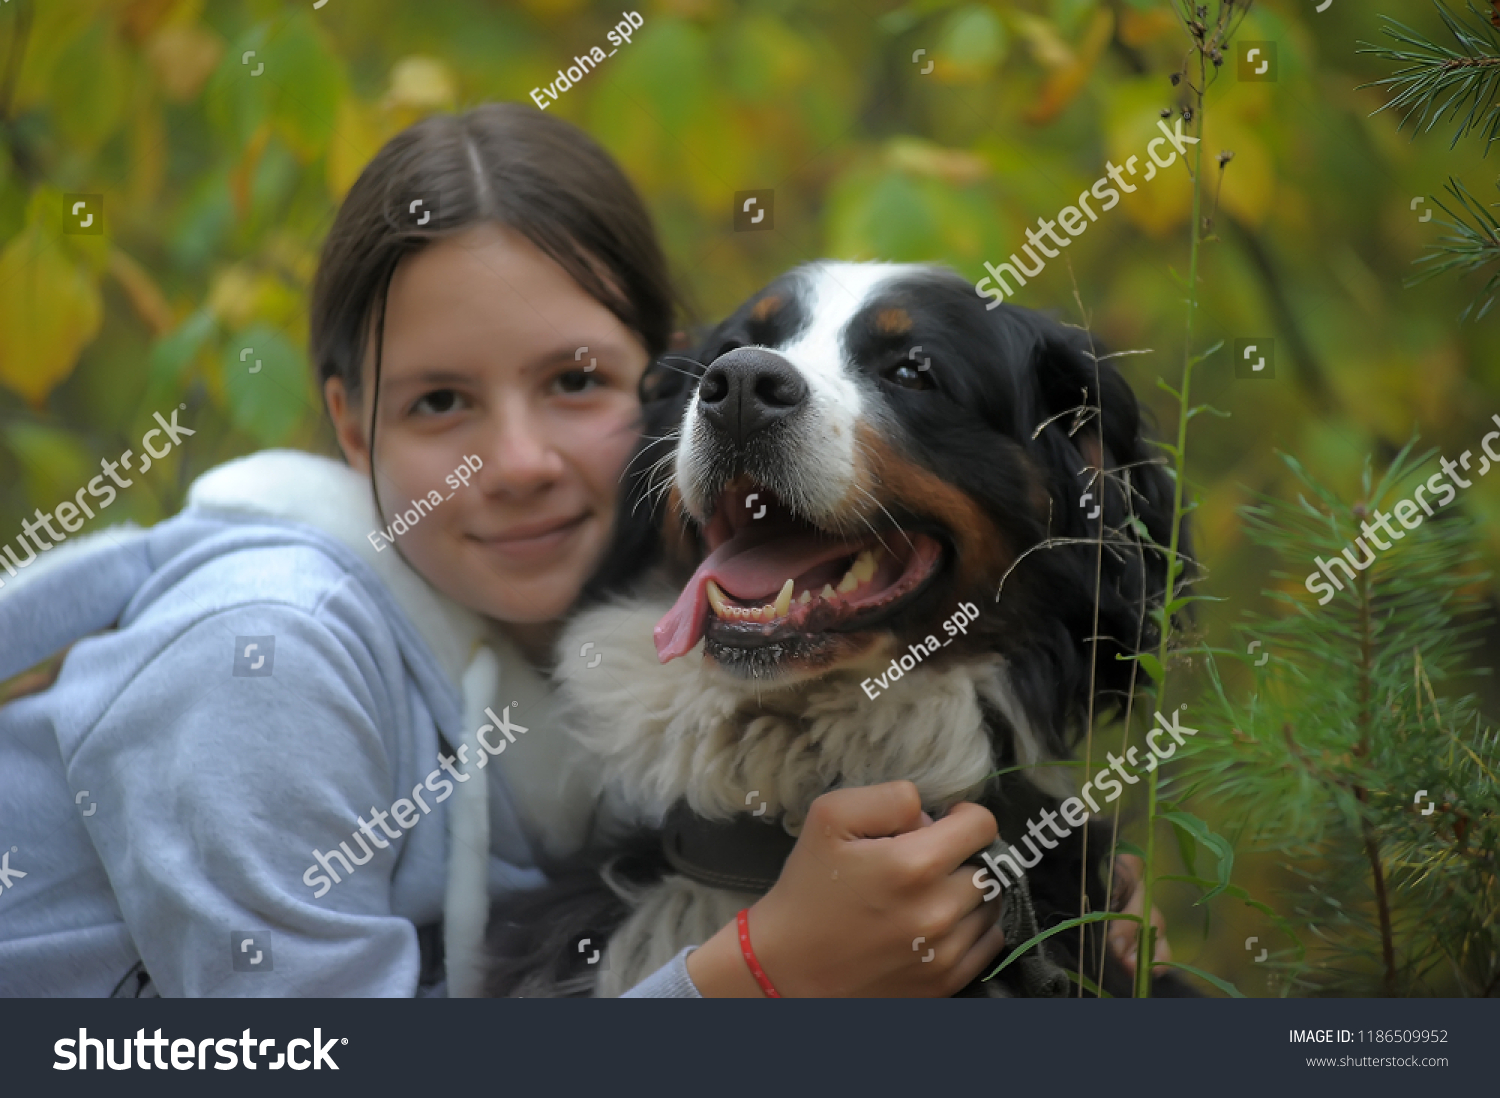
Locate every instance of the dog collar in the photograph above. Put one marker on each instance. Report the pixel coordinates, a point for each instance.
(744, 854)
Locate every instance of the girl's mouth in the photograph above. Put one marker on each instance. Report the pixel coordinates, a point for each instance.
(533, 540)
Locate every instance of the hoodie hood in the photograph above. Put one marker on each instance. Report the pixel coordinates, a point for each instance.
(292, 486)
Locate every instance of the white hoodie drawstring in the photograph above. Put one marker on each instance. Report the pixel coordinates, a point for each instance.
(466, 902)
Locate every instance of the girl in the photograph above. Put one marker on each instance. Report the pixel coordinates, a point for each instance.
(227, 789)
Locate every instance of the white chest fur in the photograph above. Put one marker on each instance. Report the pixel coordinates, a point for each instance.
(687, 731)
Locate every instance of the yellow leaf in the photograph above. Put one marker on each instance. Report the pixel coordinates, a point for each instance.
(231, 297)
(145, 295)
(1165, 201)
(1047, 46)
(956, 166)
(149, 143)
(242, 294)
(49, 310)
(421, 84)
(357, 137)
(1249, 179)
(1066, 81)
(141, 17)
(1141, 28)
(183, 57)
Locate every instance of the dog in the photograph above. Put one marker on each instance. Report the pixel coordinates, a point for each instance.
(853, 462)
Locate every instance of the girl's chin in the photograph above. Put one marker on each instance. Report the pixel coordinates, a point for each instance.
(533, 600)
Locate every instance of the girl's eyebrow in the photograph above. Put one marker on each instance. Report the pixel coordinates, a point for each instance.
(437, 378)
(580, 354)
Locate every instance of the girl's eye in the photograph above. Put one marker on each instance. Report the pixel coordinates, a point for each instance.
(437, 402)
(576, 381)
(908, 376)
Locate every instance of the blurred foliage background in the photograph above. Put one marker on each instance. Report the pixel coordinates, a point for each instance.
(219, 138)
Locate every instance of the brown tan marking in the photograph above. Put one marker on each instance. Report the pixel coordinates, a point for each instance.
(767, 307)
(983, 551)
(893, 321)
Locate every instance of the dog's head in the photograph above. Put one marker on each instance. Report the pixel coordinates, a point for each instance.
(861, 449)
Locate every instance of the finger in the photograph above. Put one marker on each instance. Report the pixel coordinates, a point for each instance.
(971, 928)
(979, 958)
(963, 832)
(869, 812)
(1127, 879)
(1123, 935)
(958, 893)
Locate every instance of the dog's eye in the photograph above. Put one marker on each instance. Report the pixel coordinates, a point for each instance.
(910, 375)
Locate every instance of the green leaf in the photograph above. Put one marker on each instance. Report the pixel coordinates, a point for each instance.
(1088, 985)
(1125, 846)
(90, 89)
(1092, 917)
(173, 353)
(1033, 766)
(1151, 664)
(1223, 985)
(56, 462)
(971, 43)
(50, 308)
(1186, 822)
(307, 83)
(266, 380)
(235, 99)
(1188, 848)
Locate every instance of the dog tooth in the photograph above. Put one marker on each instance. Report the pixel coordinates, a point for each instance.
(863, 568)
(805, 598)
(827, 592)
(848, 583)
(783, 604)
(716, 599)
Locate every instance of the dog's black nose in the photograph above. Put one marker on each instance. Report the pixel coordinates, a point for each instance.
(748, 389)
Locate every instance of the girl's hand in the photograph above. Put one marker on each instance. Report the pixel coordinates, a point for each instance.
(1129, 891)
(874, 900)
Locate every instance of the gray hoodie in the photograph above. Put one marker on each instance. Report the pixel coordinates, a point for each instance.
(237, 779)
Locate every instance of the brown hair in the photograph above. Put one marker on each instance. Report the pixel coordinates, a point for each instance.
(500, 162)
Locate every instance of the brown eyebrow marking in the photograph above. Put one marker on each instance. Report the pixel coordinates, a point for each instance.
(766, 307)
(893, 321)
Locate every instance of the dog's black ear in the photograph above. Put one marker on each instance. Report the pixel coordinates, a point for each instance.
(1104, 468)
(636, 546)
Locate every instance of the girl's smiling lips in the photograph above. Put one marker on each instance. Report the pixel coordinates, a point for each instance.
(533, 540)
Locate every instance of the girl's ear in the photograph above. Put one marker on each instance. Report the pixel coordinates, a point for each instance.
(348, 418)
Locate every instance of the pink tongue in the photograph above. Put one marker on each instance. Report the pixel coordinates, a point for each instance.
(754, 564)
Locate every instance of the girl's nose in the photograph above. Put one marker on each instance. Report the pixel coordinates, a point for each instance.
(519, 457)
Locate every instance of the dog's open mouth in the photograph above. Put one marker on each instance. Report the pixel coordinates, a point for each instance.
(773, 579)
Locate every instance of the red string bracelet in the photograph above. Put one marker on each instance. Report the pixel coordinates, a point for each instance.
(755, 970)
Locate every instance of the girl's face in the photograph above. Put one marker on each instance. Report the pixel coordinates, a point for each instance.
(493, 352)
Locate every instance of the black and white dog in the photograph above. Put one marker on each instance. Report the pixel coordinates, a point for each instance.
(858, 452)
